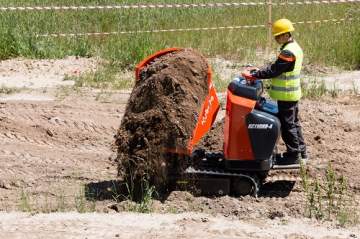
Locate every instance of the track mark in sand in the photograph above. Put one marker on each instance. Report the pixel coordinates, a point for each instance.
(96, 129)
(24, 156)
(90, 127)
(17, 115)
(47, 117)
(18, 173)
(11, 137)
(13, 162)
(29, 157)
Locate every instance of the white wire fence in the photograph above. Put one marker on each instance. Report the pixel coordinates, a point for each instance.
(184, 29)
(177, 5)
(266, 25)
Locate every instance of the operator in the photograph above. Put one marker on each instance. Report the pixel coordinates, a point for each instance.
(286, 90)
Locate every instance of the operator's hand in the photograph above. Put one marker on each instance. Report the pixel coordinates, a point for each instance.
(247, 75)
(251, 68)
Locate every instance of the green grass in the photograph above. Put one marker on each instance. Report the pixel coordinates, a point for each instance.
(4, 90)
(30, 203)
(314, 89)
(24, 202)
(108, 76)
(328, 197)
(142, 194)
(328, 43)
(220, 84)
(81, 204)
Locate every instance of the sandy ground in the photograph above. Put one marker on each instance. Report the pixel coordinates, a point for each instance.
(51, 146)
(189, 225)
(35, 74)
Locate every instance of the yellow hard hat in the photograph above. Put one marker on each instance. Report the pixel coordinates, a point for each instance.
(282, 26)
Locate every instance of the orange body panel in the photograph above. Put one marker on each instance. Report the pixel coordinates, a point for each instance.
(237, 144)
(207, 114)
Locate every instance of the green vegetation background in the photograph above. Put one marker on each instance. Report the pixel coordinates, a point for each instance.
(324, 44)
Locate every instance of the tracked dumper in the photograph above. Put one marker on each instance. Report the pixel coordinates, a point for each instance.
(251, 133)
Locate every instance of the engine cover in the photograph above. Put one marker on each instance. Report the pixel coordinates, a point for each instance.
(250, 135)
(264, 132)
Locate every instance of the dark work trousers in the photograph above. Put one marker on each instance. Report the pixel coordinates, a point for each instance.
(291, 132)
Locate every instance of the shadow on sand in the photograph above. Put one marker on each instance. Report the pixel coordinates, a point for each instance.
(119, 191)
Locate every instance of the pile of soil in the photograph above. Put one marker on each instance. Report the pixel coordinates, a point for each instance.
(161, 115)
(213, 141)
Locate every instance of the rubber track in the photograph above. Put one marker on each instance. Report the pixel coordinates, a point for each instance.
(192, 170)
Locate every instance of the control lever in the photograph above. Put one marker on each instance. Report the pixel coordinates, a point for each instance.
(247, 75)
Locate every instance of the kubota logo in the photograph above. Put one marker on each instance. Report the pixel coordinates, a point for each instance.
(207, 110)
(260, 126)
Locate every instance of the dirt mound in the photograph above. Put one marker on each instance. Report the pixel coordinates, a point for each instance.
(161, 114)
(213, 141)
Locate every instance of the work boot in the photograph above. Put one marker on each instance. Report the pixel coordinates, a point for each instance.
(304, 155)
(289, 158)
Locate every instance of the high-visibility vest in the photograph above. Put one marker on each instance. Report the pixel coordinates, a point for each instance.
(286, 87)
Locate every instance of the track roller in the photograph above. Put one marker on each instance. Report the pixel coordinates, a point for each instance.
(242, 186)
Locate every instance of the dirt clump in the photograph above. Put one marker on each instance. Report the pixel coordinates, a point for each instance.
(161, 114)
(213, 141)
